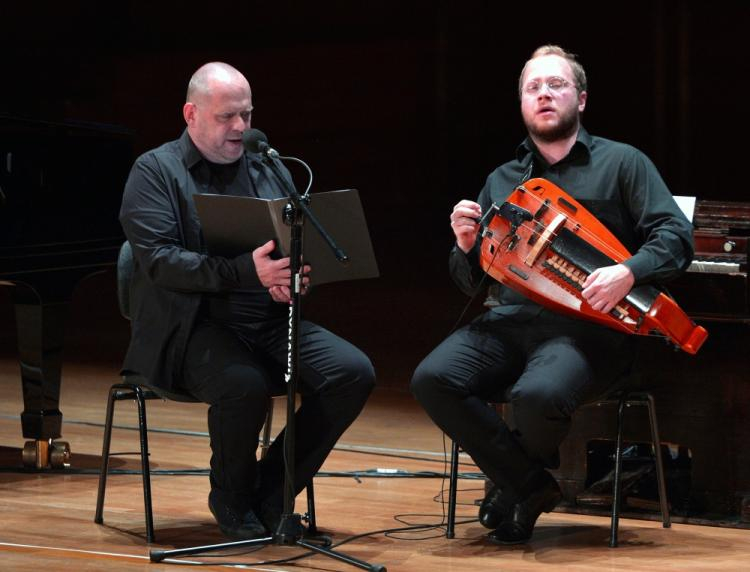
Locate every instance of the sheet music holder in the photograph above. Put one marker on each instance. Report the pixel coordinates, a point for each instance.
(687, 205)
(235, 225)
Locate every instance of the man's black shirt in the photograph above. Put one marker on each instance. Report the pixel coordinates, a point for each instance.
(174, 273)
(619, 185)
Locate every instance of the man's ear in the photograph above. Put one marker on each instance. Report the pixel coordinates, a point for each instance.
(188, 112)
(582, 101)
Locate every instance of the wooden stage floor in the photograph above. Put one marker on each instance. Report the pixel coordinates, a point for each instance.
(47, 518)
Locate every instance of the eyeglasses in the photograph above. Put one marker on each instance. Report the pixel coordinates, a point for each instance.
(554, 85)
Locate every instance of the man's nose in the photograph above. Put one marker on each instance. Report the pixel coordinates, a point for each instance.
(544, 90)
(241, 124)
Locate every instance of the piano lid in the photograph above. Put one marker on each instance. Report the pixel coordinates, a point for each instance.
(61, 182)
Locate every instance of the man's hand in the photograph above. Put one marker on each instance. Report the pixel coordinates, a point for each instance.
(605, 287)
(276, 274)
(464, 224)
(283, 295)
(280, 294)
(271, 272)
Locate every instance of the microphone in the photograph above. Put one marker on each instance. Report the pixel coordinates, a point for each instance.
(256, 141)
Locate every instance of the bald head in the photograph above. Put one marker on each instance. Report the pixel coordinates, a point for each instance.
(212, 76)
(217, 111)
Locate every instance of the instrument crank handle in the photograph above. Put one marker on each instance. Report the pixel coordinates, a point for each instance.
(485, 216)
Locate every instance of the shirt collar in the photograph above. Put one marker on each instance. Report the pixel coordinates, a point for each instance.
(190, 152)
(192, 156)
(583, 145)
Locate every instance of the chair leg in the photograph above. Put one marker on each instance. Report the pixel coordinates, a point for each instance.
(145, 466)
(98, 517)
(618, 473)
(452, 489)
(663, 504)
(266, 439)
(265, 443)
(312, 526)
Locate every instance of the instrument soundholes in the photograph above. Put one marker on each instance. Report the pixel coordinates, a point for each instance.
(570, 207)
(542, 209)
(518, 272)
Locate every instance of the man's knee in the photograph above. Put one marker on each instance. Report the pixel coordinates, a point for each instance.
(353, 375)
(364, 374)
(239, 384)
(545, 400)
(425, 381)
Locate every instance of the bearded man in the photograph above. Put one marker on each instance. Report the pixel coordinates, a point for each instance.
(543, 363)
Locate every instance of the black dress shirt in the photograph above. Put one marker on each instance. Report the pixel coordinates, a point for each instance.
(174, 273)
(619, 185)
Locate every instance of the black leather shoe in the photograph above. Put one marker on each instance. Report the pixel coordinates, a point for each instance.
(270, 513)
(495, 508)
(234, 522)
(518, 527)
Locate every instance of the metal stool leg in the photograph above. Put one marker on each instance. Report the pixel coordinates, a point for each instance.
(145, 466)
(265, 441)
(663, 504)
(98, 518)
(312, 526)
(452, 489)
(618, 470)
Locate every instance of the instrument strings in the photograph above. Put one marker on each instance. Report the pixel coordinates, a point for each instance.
(591, 238)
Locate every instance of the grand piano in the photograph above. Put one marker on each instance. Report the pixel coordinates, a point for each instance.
(60, 190)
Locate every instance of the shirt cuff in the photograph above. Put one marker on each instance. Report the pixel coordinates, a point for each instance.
(246, 271)
(639, 266)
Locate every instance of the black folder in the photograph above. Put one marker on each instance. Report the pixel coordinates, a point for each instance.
(235, 225)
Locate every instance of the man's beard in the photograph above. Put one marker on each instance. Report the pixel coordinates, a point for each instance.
(567, 126)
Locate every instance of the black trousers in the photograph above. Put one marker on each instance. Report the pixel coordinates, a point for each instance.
(238, 371)
(545, 366)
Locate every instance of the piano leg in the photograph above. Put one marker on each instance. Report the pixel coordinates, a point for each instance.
(40, 329)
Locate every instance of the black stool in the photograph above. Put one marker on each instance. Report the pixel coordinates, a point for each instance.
(623, 399)
(134, 388)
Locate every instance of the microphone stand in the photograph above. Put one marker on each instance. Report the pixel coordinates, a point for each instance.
(290, 529)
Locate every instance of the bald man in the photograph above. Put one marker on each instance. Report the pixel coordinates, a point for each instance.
(216, 327)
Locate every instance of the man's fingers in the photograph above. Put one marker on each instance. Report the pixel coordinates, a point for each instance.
(465, 216)
(280, 294)
(265, 249)
(280, 263)
(591, 278)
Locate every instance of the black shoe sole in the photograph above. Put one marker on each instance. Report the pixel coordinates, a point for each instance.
(513, 542)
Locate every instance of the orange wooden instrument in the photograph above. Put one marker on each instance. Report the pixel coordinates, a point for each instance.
(543, 243)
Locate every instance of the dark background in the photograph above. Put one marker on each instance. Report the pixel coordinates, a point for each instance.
(412, 103)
